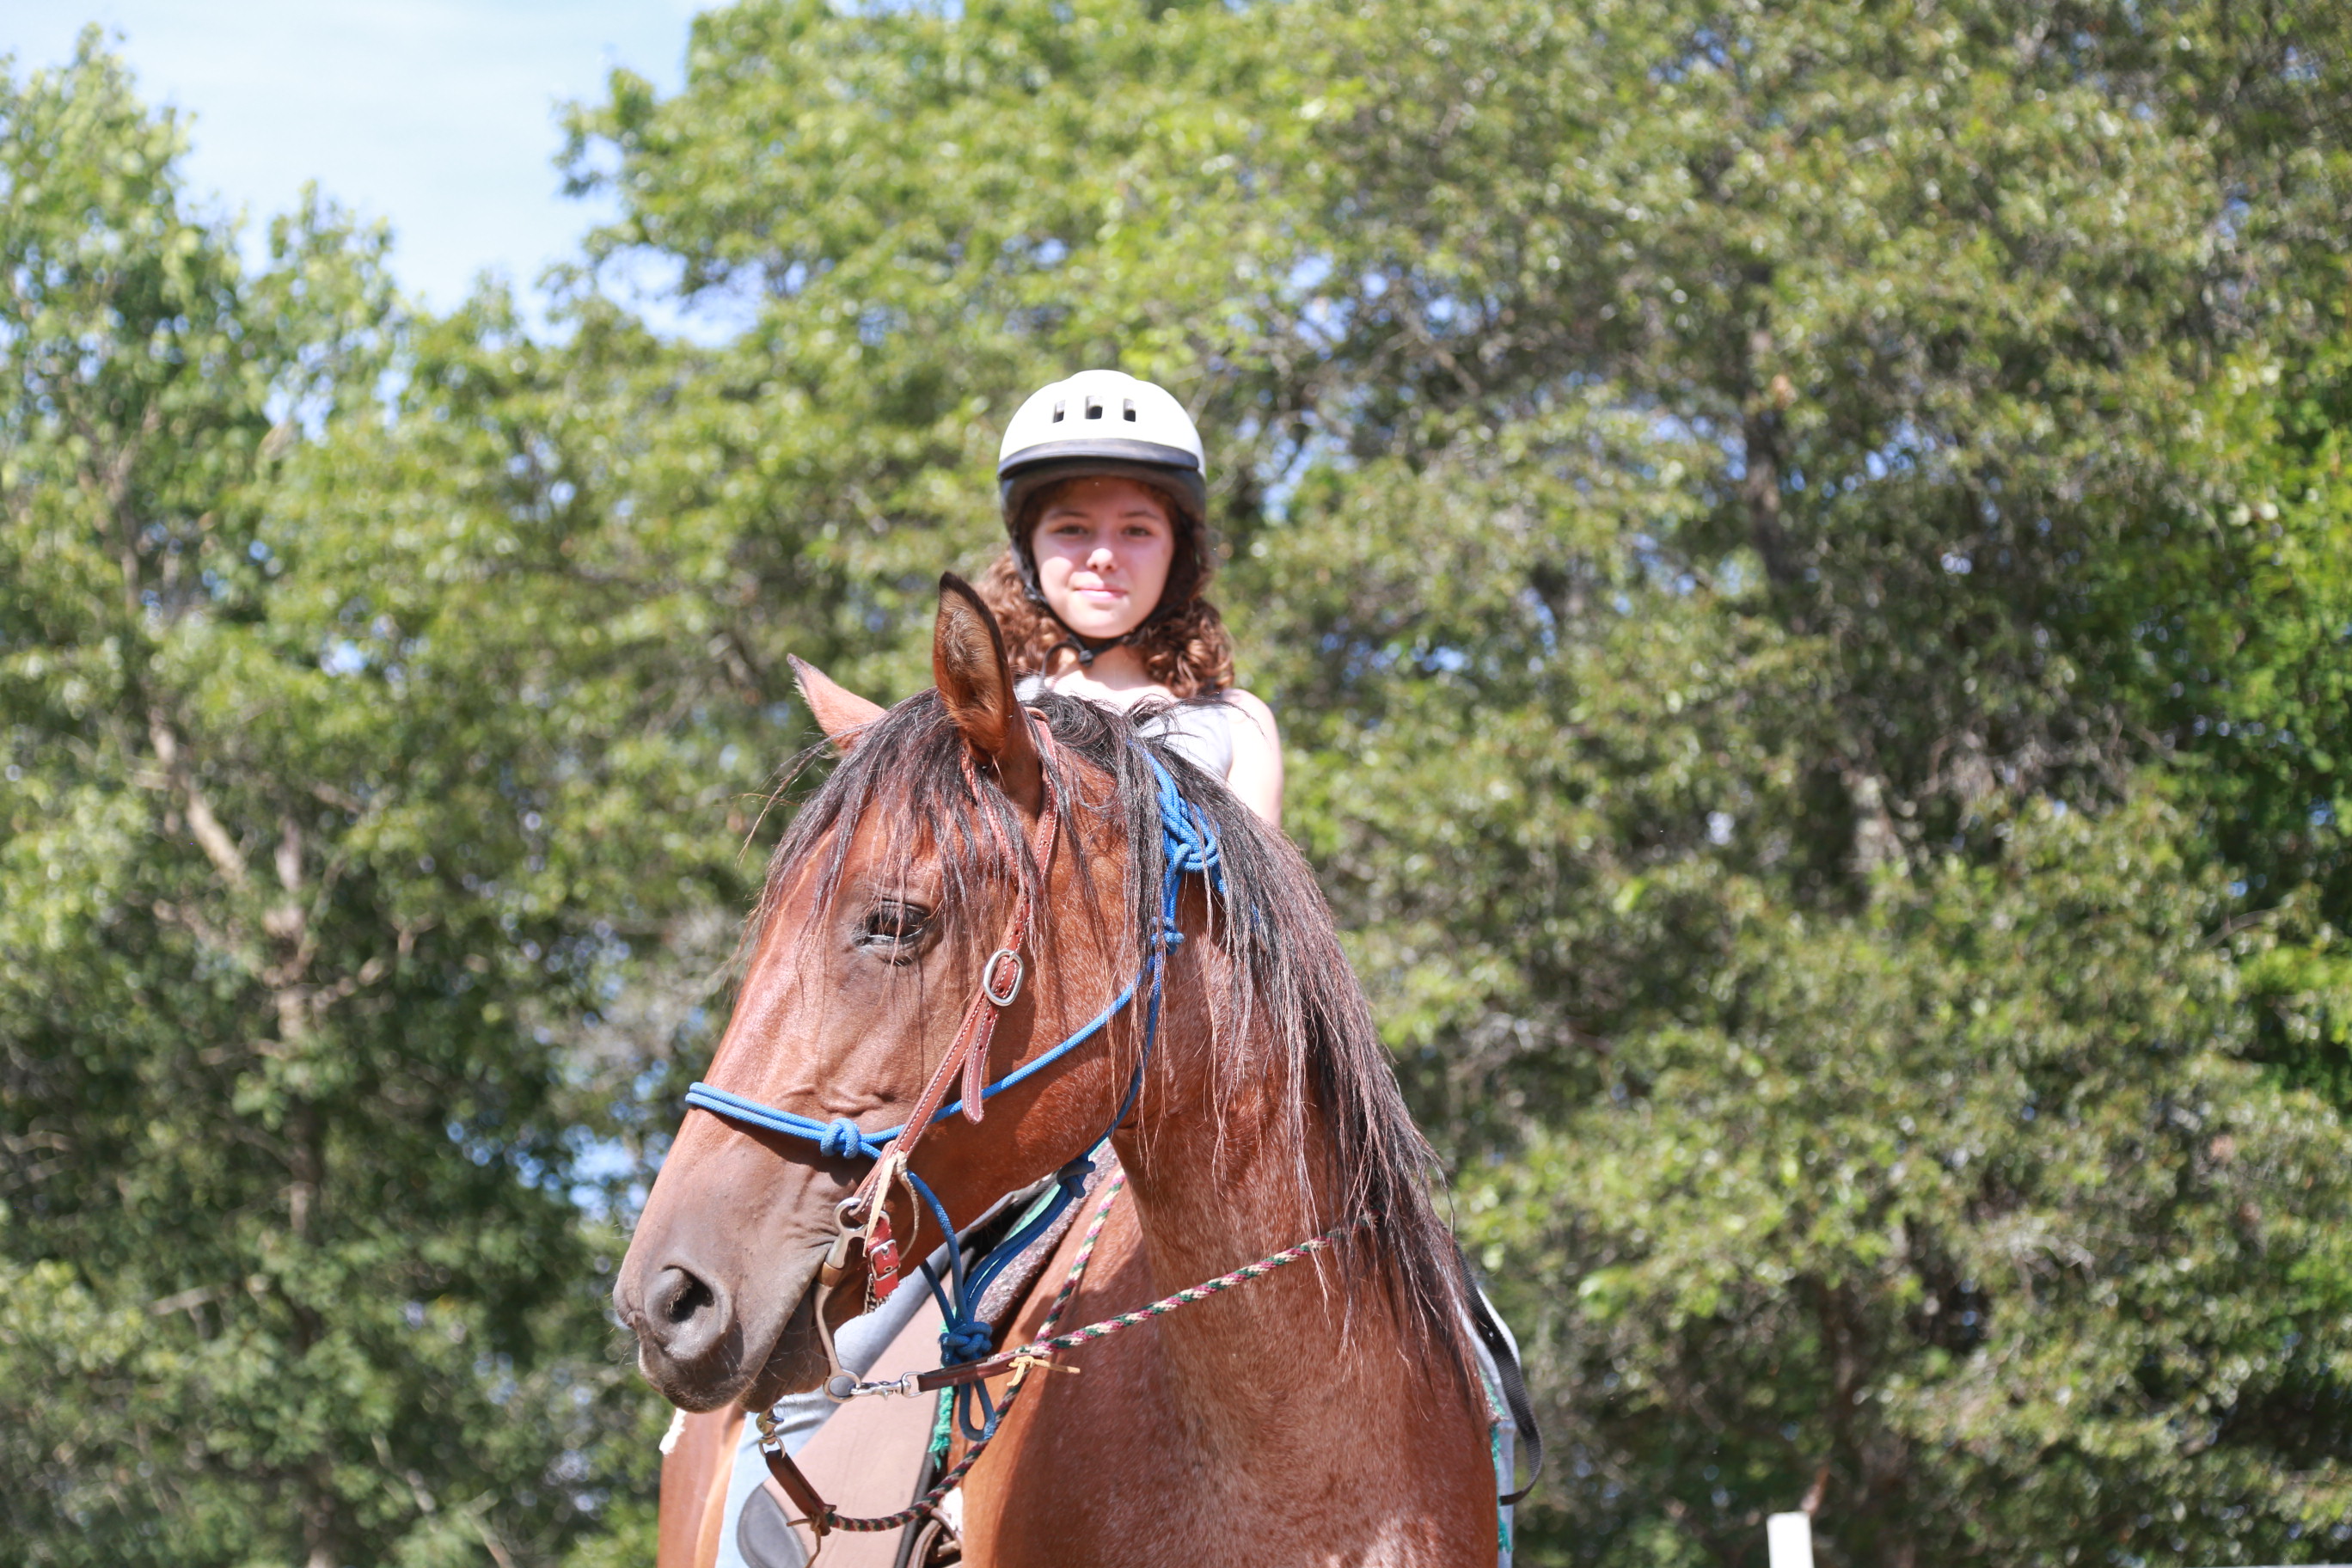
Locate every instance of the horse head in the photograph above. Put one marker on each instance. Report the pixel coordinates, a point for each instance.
(876, 930)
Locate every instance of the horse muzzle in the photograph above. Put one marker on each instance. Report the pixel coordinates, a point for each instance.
(698, 1344)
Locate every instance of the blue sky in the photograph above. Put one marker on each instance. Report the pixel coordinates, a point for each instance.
(436, 115)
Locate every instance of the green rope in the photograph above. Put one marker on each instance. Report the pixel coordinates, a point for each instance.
(943, 1428)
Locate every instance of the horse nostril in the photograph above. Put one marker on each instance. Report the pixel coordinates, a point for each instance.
(678, 1296)
(688, 1301)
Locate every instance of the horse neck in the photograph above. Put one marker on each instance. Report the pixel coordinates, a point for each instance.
(1215, 1171)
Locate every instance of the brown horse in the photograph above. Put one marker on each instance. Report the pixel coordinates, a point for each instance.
(1330, 1412)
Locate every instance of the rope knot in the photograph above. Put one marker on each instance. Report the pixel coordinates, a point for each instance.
(965, 1342)
(841, 1139)
(1190, 847)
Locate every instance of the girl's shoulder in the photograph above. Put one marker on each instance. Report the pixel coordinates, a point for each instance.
(1251, 707)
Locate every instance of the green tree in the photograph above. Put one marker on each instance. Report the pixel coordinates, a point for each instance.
(1966, 1221)
(335, 797)
(2240, 635)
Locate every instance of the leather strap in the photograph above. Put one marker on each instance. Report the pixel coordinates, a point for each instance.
(1507, 1373)
(967, 1053)
(815, 1511)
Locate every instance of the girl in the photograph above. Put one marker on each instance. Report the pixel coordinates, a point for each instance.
(1105, 490)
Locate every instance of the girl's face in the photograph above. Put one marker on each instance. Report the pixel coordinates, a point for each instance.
(1103, 547)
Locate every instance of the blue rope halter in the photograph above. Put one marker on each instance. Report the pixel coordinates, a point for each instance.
(1189, 844)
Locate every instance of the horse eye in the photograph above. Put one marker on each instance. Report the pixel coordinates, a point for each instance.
(894, 929)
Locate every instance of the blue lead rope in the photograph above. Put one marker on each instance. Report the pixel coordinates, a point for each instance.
(844, 1139)
(1189, 844)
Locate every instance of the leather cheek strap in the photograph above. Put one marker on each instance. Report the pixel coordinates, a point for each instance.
(967, 1054)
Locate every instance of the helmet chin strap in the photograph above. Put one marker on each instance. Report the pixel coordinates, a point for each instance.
(1088, 648)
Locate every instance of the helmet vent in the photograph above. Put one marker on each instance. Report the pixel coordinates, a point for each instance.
(1058, 407)
(1094, 408)
(1130, 411)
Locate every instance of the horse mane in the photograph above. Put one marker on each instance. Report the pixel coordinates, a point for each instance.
(1292, 996)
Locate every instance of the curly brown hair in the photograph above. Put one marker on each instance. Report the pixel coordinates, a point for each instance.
(1188, 652)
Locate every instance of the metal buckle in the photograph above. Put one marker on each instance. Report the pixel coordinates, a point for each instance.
(988, 978)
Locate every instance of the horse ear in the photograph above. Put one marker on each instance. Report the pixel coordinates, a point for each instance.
(975, 680)
(842, 715)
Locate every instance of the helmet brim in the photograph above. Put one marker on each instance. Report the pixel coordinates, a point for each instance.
(1033, 473)
(1117, 449)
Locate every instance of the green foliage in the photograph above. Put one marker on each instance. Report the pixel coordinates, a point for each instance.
(2240, 628)
(1697, 487)
(309, 868)
(1967, 1209)
(1799, 550)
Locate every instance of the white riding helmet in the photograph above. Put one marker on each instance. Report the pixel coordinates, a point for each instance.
(1107, 423)
(1102, 422)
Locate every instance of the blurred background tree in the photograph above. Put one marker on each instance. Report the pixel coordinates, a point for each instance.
(1800, 552)
(337, 791)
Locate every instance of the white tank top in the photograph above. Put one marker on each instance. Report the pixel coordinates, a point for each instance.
(1201, 733)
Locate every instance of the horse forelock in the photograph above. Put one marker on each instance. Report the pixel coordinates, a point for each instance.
(1294, 1008)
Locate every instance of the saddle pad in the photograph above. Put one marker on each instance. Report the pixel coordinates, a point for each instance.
(1009, 1289)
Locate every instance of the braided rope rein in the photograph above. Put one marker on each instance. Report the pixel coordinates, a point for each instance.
(1039, 1352)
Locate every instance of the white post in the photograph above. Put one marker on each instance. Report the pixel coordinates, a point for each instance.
(1789, 1539)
